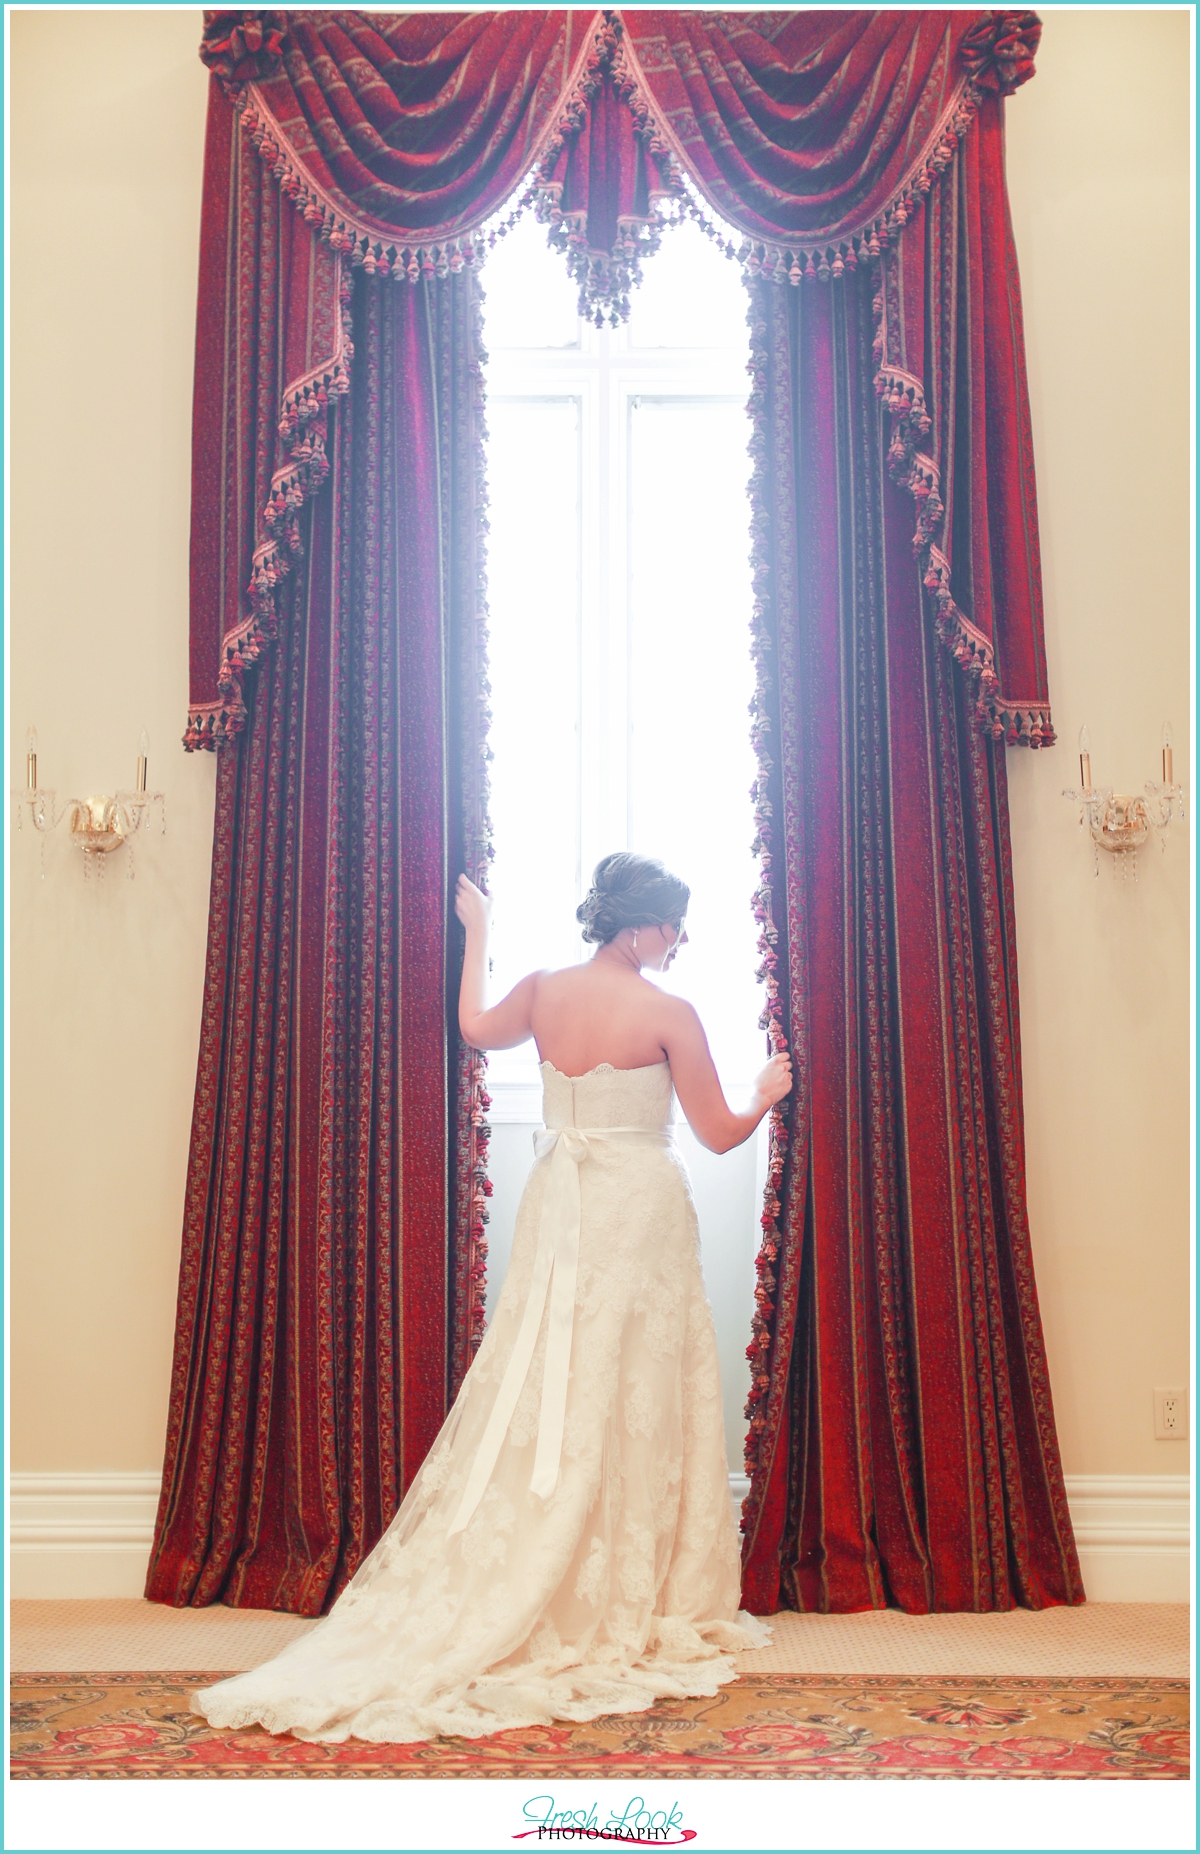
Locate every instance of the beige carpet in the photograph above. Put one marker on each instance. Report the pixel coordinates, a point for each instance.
(87, 1635)
(1150, 1639)
(1097, 1638)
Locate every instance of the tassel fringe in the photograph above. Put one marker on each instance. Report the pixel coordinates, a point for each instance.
(772, 1019)
(606, 279)
(303, 430)
(903, 395)
(405, 259)
(824, 260)
(474, 1132)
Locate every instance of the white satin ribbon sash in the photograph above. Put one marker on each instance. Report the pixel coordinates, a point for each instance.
(555, 1268)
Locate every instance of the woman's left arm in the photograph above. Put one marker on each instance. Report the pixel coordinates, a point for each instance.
(508, 1023)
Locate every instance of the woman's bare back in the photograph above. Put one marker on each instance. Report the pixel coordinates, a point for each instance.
(584, 1017)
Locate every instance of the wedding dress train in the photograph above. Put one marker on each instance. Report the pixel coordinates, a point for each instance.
(567, 1548)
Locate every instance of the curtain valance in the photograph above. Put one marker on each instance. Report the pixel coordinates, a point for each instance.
(399, 134)
(816, 136)
(816, 132)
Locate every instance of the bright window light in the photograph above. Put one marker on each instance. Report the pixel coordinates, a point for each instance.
(533, 574)
(619, 590)
(531, 302)
(690, 297)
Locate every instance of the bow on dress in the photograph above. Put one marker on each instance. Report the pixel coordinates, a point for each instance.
(555, 1268)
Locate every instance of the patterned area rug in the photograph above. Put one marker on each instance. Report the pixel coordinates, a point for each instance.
(763, 1725)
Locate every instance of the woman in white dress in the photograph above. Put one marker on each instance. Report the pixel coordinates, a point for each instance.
(568, 1547)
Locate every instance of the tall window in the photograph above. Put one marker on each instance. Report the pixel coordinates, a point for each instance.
(619, 590)
(620, 602)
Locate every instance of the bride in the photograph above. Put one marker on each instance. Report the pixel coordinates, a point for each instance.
(568, 1547)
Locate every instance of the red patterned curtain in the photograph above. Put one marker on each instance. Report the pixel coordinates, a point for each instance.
(330, 1288)
(902, 1446)
(332, 1263)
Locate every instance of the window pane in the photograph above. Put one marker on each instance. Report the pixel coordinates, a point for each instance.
(691, 680)
(690, 296)
(533, 581)
(531, 301)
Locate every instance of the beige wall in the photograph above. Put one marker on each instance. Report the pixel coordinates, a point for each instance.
(1098, 168)
(105, 977)
(106, 980)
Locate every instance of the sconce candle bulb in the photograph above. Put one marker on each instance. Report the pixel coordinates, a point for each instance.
(143, 755)
(1085, 758)
(1168, 756)
(31, 759)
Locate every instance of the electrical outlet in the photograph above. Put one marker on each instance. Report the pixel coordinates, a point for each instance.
(1170, 1415)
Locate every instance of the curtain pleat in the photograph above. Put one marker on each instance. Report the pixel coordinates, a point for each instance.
(327, 1267)
(903, 1447)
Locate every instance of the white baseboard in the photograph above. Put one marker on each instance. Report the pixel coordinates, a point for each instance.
(81, 1535)
(1134, 1536)
(89, 1535)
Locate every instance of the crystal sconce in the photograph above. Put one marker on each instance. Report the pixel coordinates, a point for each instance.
(97, 825)
(1121, 824)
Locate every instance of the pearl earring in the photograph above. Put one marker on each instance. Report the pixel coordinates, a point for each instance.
(635, 934)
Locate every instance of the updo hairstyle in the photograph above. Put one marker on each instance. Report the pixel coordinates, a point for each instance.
(630, 891)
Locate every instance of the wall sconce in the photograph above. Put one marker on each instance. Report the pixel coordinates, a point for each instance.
(98, 825)
(1120, 823)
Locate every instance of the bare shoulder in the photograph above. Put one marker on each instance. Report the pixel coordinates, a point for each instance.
(677, 1011)
(679, 1023)
(523, 997)
(679, 1018)
(555, 978)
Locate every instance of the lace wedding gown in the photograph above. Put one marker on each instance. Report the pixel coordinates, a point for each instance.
(568, 1547)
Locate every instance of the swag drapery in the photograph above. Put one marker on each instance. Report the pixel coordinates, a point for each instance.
(901, 1444)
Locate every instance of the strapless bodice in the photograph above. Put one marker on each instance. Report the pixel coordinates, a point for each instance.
(609, 1097)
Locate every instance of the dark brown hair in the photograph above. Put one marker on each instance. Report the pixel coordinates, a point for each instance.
(630, 891)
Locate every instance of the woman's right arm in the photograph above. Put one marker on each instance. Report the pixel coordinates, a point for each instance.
(701, 1096)
(508, 1023)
